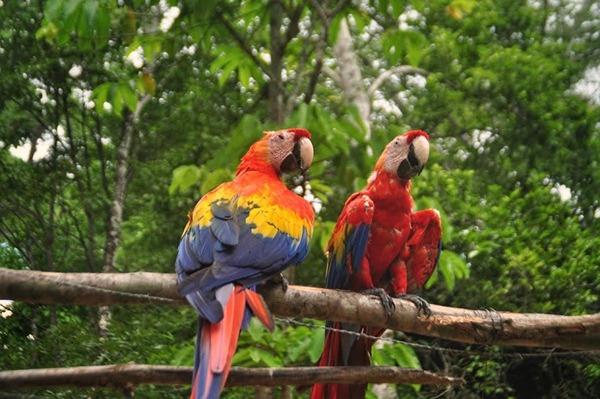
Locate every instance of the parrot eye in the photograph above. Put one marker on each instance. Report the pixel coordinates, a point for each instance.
(280, 136)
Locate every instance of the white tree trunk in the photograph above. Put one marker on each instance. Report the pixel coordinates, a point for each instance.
(350, 76)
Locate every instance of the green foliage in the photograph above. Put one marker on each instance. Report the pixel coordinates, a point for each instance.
(452, 267)
(118, 95)
(259, 347)
(88, 22)
(404, 44)
(184, 178)
(232, 58)
(10, 257)
(397, 354)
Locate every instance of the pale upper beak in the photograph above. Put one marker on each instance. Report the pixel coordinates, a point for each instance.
(306, 152)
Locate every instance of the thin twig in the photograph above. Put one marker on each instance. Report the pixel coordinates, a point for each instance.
(242, 44)
(398, 70)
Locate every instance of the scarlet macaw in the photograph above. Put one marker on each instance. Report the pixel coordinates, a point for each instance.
(238, 235)
(380, 246)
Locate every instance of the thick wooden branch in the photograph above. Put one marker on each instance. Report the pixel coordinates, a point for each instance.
(127, 375)
(456, 324)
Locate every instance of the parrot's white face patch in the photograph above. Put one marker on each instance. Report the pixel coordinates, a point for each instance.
(281, 144)
(396, 151)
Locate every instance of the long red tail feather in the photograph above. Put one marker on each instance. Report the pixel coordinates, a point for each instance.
(332, 356)
(216, 348)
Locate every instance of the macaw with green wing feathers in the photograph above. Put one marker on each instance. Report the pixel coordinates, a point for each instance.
(238, 235)
(380, 246)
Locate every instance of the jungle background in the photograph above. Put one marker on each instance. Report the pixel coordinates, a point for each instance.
(115, 116)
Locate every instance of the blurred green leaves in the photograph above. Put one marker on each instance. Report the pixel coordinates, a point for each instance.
(401, 45)
(284, 346)
(87, 21)
(396, 354)
(184, 178)
(452, 268)
(230, 59)
(118, 95)
(188, 176)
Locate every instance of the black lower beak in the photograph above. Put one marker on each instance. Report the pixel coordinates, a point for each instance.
(406, 170)
(410, 166)
(293, 161)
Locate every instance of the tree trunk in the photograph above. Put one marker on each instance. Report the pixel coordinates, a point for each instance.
(113, 230)
(350, 75)
(263, 393)
(287, 392)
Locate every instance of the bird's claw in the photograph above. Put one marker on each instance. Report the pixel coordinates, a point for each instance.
(279, 279)
(386, 300)
(423, 308)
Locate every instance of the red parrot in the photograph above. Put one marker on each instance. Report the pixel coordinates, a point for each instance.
(380, 246)
(238, 235)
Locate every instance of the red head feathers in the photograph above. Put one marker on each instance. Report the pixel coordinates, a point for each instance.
(300, 132)
(406, 155)
(413, 134)
(279, 151)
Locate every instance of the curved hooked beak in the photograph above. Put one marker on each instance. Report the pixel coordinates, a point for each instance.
(301, 156)
(305, 152)
(413, 164)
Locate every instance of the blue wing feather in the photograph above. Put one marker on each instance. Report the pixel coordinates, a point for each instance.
(357, 245)
(224, 226)
(346, 254)
(346, 259)
(226, 251)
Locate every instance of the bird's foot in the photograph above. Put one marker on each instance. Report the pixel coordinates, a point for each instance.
(279, 279)
(423, 308)
(386, 300)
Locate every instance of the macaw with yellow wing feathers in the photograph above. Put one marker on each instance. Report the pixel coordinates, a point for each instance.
(380, 246)
(238, 235)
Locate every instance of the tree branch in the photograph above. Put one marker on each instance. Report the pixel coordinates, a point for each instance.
(319, 53)
(455, 324)
(293, 26)
(115, 219)
(242, 43)
(398, 70)
(120, 375)
(333, 75)
(326, 16)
